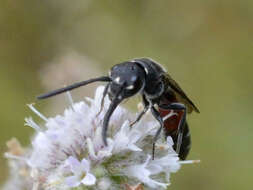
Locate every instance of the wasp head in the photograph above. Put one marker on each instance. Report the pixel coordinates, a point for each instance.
(127, 79)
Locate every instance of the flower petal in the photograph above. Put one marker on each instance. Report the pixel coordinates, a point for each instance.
(89, 179)
(85, 165)
(75, 165)
(170, 141)
(72, 181)
(133, 147)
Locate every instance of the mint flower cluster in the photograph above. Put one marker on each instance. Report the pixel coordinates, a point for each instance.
(67, 151)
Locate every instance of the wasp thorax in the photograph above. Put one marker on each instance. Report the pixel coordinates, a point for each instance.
(128, 78)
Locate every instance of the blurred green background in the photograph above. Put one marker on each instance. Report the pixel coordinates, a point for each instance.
(207, 46)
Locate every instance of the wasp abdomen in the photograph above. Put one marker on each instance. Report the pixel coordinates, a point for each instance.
(171, 129)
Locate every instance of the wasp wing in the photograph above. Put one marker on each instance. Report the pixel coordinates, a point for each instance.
(180, 95)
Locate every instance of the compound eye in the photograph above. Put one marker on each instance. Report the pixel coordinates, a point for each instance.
(134, 86)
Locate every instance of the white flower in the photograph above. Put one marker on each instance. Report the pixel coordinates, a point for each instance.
(126, 138)
(81, 173)
(68, 151)
(142, 173)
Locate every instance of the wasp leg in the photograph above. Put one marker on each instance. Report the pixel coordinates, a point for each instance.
(103, 98)
(146, 107)
(157, 116)
(181, 126)
(140, 115)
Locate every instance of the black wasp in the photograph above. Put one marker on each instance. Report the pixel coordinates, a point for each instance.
(160, 93)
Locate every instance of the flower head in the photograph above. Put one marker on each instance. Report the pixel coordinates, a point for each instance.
(67, 150)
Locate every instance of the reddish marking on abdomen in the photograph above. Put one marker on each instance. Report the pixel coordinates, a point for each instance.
(171, 124)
